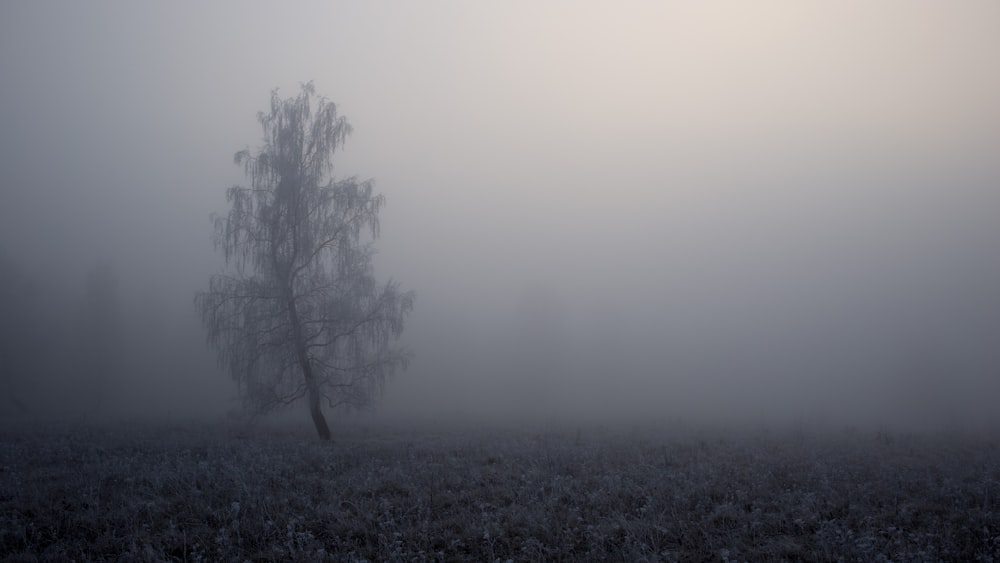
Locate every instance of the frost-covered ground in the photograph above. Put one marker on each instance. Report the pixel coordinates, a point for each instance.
(186, 494)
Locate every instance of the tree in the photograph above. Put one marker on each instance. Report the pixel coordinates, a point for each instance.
(18, 355)
(100, 331)
(299, 313)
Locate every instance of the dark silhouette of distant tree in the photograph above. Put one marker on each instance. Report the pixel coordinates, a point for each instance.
(17, 330)
(299, 314)
(101, 332)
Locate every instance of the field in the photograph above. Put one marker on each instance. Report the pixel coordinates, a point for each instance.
(181, 493)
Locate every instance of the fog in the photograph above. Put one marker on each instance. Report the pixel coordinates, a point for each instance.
(717, 212)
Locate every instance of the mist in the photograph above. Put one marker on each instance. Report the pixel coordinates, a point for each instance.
(726, 213)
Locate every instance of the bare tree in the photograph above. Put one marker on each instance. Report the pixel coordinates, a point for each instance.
(299, 314)
(100, 332)
(18, 353)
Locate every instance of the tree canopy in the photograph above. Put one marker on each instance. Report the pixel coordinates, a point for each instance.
(298, 312)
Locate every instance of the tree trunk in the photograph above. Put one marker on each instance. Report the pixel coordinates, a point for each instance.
(315, 407)
(316, 410)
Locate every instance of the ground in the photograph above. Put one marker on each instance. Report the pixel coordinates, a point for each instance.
(183, 493)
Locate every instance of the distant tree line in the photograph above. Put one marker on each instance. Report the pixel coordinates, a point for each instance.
(50, 350)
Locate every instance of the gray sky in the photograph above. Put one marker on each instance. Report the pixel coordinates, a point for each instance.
(645, 207)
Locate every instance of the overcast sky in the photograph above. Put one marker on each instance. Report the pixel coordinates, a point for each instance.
(657, 207)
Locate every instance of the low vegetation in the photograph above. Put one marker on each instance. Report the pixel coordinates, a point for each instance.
(186, 494)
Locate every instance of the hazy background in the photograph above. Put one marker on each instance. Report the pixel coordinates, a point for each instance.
(719, 211)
